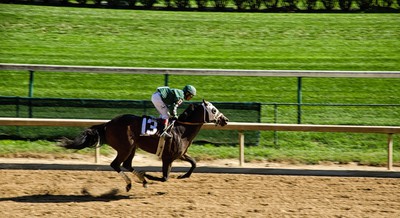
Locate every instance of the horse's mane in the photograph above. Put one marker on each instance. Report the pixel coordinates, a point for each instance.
(186, 114)
(194, 113)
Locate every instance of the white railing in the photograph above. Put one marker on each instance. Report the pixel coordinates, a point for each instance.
(389, 130)
(201, 72)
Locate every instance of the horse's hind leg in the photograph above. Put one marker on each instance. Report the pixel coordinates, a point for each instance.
(116, 166)
(128, 165)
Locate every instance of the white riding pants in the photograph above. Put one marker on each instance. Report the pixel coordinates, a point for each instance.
(160, 105)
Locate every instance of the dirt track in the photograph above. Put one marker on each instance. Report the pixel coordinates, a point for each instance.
(27, 193)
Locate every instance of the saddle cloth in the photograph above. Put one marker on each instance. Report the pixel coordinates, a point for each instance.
(150, 126)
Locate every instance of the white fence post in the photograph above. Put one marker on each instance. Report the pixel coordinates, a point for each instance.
(241, 148)
(97, 155)
(390, 151)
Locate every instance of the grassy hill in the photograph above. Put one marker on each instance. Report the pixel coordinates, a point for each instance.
(82, 36)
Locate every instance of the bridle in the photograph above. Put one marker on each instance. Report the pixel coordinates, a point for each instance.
(216, 113)
(206, 117)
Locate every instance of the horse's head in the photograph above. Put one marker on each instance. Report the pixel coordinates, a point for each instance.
(204, 113)
(213, 115)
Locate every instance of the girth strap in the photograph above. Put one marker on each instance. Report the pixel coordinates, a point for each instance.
(160, 147)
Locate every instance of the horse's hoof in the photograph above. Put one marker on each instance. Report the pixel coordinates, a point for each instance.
(128, 187)
(183, 177)
(144, 183)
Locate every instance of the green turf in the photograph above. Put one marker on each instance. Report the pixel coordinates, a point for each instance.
(41, 148)
(82, 36)
(99, 37)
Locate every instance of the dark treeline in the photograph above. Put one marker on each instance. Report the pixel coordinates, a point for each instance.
(230, 5)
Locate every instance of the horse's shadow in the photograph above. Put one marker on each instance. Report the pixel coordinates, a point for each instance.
(53, 198)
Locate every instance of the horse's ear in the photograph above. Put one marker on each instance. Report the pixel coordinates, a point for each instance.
(205, 102)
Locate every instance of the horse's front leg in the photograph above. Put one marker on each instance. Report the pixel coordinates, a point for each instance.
(166, 169)
(189, 159)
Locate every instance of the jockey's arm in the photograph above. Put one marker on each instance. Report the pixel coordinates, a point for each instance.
(174, 107)
(174, 110)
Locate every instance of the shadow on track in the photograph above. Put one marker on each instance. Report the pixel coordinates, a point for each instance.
(54, 198)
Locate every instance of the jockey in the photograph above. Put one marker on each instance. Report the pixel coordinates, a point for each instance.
(166, 100)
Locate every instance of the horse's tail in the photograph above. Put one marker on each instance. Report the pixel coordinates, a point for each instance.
(91, 137)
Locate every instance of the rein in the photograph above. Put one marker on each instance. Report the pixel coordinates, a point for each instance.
(189, 123)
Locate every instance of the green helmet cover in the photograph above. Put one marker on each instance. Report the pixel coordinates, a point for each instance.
(189, 88)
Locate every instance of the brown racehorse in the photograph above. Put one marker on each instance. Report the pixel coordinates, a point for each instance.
(124, 134)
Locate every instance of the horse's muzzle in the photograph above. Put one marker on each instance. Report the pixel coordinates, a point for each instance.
(222, 121)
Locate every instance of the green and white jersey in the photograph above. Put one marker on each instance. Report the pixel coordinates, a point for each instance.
(171, 97)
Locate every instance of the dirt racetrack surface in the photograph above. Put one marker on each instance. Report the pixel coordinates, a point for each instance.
(64, 193)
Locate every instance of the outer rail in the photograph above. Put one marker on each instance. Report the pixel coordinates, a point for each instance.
(201, 72)
(240, 126)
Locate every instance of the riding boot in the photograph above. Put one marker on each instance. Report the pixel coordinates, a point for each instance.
(165, 122)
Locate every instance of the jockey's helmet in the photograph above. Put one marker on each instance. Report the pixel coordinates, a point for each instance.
(189, 89)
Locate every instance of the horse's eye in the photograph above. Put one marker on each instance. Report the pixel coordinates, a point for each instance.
(214, 111)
